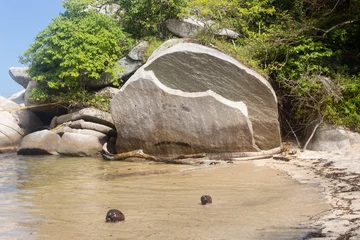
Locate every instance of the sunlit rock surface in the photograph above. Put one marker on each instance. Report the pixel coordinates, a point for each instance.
(41, 142)
(15, 123)
(237, 110)
(19, 75)
(331, 138)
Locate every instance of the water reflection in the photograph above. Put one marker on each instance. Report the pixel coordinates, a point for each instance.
(59, 198)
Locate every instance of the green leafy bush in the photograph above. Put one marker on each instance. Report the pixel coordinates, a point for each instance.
(75, 47)
(146, 17)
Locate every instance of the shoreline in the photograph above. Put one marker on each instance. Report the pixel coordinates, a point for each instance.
(337, 173)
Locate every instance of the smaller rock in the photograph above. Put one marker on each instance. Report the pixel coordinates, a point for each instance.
(53, 122)
(331, 138)
(128, 67)
(19, 75)
(75, 144)
(205, 199)
(189, 27)
(109, 92)
(64, 129)
(41, 142)
(88, 114)
(114, 215)
(18, 98)
(138, 52)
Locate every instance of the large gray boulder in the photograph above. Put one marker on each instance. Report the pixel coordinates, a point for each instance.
(332, 138)
(74, 144)
(19, 75)
(183, 70)
(10, 132)
(15, 123)
(161, 121)
(41, 142)
(88, 114)
(190, 27)
(24, 118)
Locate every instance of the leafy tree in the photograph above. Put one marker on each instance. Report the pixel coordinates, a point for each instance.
(146, 17)
(75, 47)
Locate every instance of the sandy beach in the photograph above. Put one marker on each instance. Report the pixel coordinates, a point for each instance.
(338, 174)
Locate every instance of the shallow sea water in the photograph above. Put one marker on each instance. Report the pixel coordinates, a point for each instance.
(49, 197)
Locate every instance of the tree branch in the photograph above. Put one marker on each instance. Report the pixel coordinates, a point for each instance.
(338, 26)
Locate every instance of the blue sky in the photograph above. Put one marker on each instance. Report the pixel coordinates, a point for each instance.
(20, 22)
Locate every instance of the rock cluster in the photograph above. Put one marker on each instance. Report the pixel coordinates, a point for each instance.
(14, 124)
(190, 27)
(80, 133)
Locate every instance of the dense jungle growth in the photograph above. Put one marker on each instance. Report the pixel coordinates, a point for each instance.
(309, 50)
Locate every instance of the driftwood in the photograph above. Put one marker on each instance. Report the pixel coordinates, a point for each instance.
(184, 159)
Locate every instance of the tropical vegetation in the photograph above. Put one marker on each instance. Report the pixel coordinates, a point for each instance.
(308, 50)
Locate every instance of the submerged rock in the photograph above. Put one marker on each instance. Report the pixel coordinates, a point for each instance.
(190, 98)
(114, 215)
(205, 199)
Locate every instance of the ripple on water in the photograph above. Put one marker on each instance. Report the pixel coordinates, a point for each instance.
(58, 198)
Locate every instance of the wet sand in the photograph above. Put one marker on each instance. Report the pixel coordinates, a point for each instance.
(60, 198)
(337, 173)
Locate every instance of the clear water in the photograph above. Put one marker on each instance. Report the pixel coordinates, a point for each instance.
(67, 198)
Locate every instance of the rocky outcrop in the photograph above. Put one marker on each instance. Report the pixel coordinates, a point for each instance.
(187, 96)
(332, 138)
(18, 98)
(127, 65)
(87, 123)
(65, 129)
(19, 75)
(15, 123)
(88, 114)
(75, 144)
(39, 143)
(190, 27)
(10, 132)
(72, 131)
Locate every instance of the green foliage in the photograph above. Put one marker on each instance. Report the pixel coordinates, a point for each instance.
(297, 44)
(244, 16)
(75, 47)
(146, 17)
(70, 99)
(153, 44)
